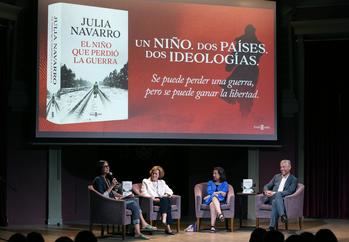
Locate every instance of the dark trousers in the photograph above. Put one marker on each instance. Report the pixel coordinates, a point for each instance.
(165, 207)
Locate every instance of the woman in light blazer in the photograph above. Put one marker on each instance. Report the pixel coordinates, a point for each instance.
(159, 191)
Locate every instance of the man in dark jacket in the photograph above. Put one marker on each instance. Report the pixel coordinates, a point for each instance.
(282, 185)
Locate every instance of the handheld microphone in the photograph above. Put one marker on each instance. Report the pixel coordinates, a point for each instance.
(110, 174)
(111, 177)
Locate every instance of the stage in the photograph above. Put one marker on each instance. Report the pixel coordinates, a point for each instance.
(51, 233)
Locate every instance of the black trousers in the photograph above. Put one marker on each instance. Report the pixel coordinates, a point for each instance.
(165, 207)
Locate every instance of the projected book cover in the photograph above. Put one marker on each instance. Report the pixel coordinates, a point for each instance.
(155, 69)
(87, 64)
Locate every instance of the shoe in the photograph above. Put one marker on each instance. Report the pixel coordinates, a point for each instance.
(142, 237)
(271, 228)
(284, 219)
(221, 217)
(213, 229)
(150, 228)
(190, 228)
(169, 232)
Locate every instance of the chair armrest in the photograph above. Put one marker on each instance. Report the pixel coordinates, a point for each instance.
(291, 199)
(231, 201)
(198, 200)
(116, 206)
(104, 209)
(294, 204)
(293, 195)
(259, 200)
(176, 200)
(146, 204)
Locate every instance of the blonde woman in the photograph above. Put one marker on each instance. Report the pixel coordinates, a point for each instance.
(159, 191)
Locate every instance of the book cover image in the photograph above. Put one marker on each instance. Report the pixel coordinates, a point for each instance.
(87, 64)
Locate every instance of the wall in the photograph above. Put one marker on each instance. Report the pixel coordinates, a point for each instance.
(25, 165)
(4, 31)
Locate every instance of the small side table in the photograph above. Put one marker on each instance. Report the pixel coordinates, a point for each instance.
(243, 196)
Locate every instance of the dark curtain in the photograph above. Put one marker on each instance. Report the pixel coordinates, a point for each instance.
(4, 75)
(326, 152)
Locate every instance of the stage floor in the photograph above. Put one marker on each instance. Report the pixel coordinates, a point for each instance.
(51, 233)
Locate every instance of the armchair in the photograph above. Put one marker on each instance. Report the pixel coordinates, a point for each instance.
(105, 211)
(293, 206)
(203, 210)
(152, 211)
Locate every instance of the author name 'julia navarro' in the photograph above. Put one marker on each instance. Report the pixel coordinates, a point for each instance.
(95, 28)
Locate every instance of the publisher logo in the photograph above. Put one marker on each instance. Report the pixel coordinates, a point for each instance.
(261, 127)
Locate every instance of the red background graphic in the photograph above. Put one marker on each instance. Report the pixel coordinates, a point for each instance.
(160, 114)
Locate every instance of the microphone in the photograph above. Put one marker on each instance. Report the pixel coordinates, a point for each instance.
(111, 177)
(110, 174)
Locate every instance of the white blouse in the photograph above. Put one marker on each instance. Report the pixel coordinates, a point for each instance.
(155, 189)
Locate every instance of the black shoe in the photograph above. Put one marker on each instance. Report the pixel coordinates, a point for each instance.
(284, 219)
(169, 232)
(221, 217)
(271, 228)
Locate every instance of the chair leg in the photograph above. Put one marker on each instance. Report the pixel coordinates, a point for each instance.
(231, 224)
(90, 227)
(178, 225)
(300, 222)
(123, 228)
(257, 222)
(286, 226)
(113, 229)
(102, 230)
(197, 224)
(108, 229)
(226, 224)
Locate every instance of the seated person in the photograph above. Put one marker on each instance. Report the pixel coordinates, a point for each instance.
(106, 187)
(159, 191)
(217, 189)
(282, 185)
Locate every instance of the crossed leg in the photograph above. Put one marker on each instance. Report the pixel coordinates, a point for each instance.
(215, 210)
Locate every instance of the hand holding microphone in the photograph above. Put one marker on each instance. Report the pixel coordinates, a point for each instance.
(114, 182)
